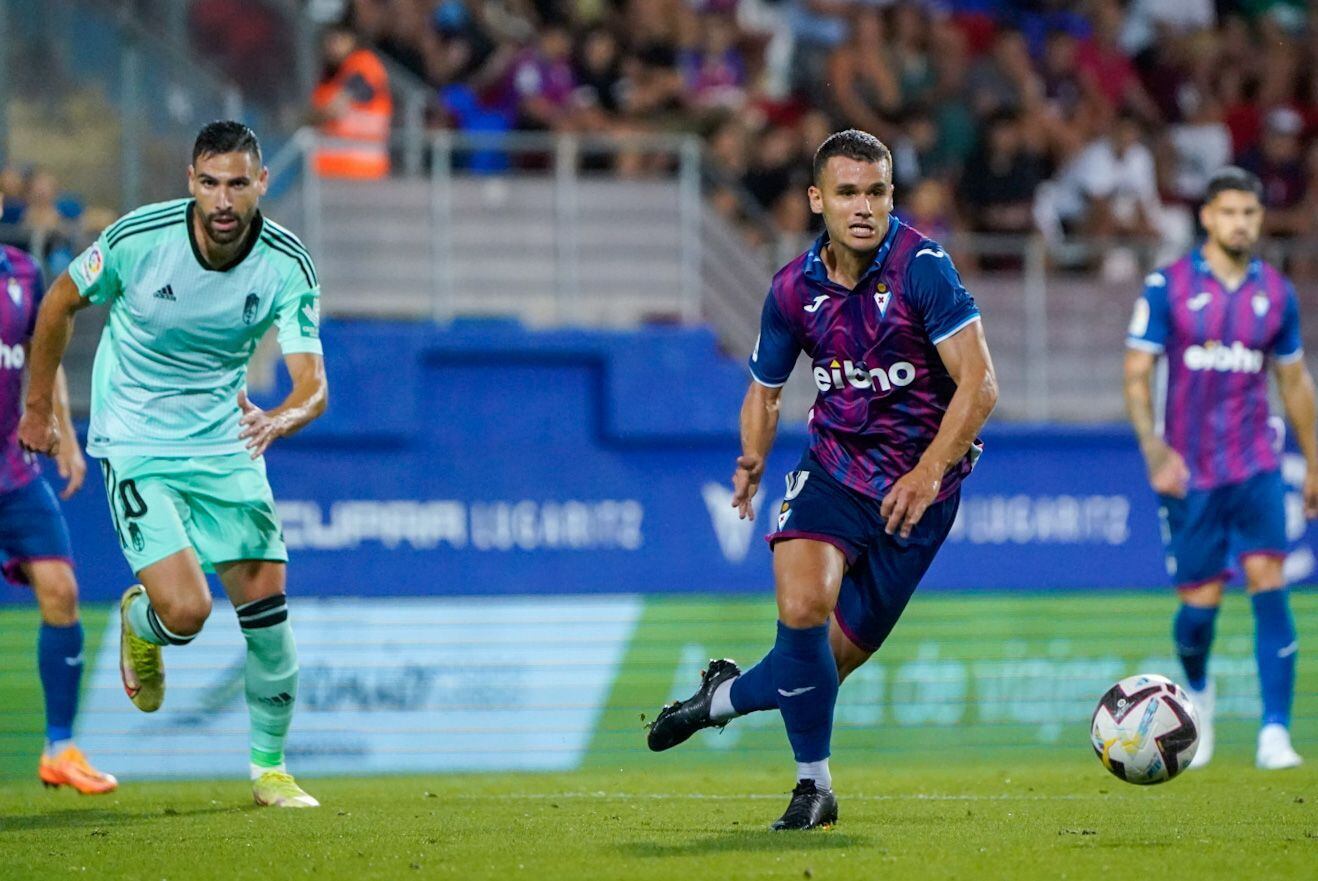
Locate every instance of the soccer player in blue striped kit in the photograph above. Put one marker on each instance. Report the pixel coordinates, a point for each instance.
(905, 384)
(1219, 318)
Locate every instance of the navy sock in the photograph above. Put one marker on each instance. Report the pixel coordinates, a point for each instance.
(753, 690)
(1275, 649)
(59, 660)
(805, 678)
(1192, 629)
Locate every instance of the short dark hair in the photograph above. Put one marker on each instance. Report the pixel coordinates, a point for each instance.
(225, 136)
(853, 144)
(1232, 177)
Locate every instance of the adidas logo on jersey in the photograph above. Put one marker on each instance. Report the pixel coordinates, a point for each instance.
(1213, 355)
(837, 376)
(12, 357)
(165, 293)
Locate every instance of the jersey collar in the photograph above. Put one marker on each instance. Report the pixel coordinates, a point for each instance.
(252, 236)
(816, 271)
(1253, 271)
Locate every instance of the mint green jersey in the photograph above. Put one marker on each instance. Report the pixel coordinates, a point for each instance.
(174, 353)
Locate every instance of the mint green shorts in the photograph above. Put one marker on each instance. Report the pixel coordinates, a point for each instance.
(220, 506)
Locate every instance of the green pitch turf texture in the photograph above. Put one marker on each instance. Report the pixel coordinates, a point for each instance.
(988, 794)
(956, 819)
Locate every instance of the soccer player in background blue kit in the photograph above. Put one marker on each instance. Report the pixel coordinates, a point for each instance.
(34, 539)
(905, 384)
(1219, 316)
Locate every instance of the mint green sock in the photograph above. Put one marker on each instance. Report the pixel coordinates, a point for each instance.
(142, 620)
(270, 677)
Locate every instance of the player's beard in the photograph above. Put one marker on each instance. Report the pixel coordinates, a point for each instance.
(226, 236)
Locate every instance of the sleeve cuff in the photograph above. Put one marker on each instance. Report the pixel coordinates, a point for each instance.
(1144, 345)
(956, 330)
(766, 383)
(1291, 358)
(301, 346)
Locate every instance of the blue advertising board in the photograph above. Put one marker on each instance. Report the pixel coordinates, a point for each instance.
(485, 459)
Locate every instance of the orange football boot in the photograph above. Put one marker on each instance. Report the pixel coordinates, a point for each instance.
(70, 768)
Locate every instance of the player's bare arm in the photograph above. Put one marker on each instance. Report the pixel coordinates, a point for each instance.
(759, 427)
(310, 396)
(39, 429)
(966, 356)
(69, 460)
(1295, 384)
(1168, 473)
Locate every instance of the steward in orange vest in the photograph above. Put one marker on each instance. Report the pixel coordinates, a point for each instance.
(352, 108)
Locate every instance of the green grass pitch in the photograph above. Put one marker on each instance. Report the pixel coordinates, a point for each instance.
(1067, 819)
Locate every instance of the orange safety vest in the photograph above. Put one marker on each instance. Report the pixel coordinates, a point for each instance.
(355, 144)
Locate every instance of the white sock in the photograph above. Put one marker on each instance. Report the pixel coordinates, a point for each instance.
(55, 747)
(258, 770)
(816, 771)
(720, 705)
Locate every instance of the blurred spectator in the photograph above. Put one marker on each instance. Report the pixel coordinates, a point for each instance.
(1001, 178)
(1109, 189)
(1148, 20)
(714, 73)
(866, 93)
(1279, 163)
(1199, 145)
(1106, 73)
(539, 85)
(352, 108)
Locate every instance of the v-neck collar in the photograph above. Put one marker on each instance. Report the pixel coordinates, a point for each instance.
(253, 234)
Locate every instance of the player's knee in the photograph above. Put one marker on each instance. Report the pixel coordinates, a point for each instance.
(804, 611)
(57, 594)
(1206, 596)
(184, 616)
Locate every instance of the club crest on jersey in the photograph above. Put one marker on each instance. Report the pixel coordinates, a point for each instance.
(837, 376)
(15, 291)
(1260, 304)
(249, 308)
(881, 295)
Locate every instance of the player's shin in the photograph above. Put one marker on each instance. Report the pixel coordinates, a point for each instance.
(1192, 630)
(1275, 649)
(59, 660)
(805, 679)
(271, 678)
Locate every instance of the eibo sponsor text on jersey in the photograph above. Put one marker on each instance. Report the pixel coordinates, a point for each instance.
(838, 375)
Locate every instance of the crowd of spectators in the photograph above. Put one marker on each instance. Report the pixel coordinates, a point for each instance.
(37, 215)
(1097, 119)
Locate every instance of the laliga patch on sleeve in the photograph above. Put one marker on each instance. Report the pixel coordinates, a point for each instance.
(93, 261)
(308, 316)
(1139, 319)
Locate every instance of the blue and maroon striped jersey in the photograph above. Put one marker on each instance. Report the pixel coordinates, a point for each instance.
(21, 289)
(1217, 344)
(883, 389)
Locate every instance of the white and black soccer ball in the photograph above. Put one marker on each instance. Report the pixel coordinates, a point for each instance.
(1145, 729)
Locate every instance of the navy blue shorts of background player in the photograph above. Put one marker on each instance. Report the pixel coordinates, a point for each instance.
(882, 570)
(32, 528)
(1204, 529)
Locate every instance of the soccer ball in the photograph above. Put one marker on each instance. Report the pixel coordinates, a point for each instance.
(1145, 729)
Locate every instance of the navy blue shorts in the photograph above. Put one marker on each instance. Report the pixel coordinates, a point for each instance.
(882, 570)
(1203, 530)
(32, 528)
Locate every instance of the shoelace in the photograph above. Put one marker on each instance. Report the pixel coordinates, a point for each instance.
(280, 779)
(145, 659)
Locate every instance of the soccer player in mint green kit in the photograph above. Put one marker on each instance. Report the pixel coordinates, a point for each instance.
(192, 286)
